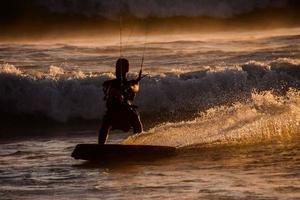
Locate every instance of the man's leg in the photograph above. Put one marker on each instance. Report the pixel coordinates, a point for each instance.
(104, 130)
(136, 122)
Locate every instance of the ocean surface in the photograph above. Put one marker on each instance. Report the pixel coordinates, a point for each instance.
(229, 101)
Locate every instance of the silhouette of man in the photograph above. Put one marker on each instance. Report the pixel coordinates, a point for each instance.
(119, 95)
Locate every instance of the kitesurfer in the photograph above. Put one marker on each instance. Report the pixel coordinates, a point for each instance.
(119, 95)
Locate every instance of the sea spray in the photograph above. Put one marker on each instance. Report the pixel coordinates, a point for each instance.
(262, 118)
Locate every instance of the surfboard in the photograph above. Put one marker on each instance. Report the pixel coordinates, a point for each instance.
(111, 152)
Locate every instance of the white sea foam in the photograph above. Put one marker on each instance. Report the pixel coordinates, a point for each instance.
(9, 69)
(55, 71)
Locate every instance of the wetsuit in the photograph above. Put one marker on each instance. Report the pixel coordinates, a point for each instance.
(121, 113)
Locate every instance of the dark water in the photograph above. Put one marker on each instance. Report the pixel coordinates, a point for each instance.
(43, 169)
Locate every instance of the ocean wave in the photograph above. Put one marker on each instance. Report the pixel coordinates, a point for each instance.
(62, 95)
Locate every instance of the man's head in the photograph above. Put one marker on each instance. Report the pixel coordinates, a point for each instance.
(122, 67)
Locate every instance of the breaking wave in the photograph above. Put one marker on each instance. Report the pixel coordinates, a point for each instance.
(61, 96)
